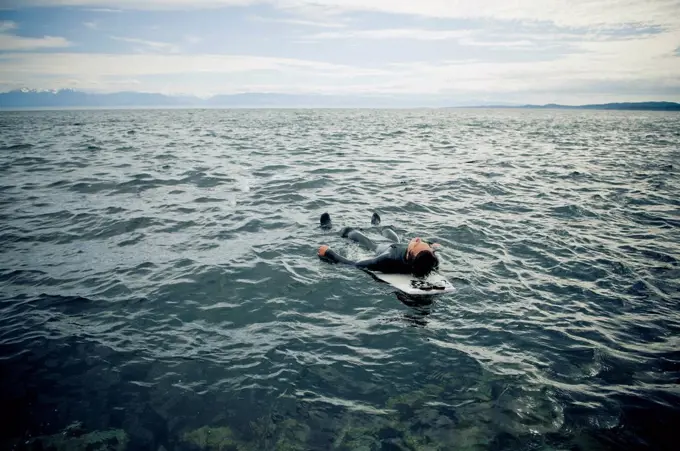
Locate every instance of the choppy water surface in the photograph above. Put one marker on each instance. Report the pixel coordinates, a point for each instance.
(160, 282)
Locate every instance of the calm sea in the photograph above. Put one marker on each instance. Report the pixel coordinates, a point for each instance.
(160, 289)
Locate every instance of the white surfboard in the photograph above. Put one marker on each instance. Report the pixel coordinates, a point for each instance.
(432, 285)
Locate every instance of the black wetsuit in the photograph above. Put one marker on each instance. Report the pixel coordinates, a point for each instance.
(390, 258)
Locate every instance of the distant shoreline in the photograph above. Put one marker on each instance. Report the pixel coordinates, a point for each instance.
(620, 106)
(319, 107)
(78, 100)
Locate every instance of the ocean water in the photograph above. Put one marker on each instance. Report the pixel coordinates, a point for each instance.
(160, 288)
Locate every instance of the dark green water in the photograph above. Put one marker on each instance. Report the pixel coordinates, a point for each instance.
(159, 278)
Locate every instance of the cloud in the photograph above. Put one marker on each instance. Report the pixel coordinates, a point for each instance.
(645, 61)
(602, 66)
(394, 33)
(104, 10)
(91, 25)
(7, 25)
(130, 65)
(565, 13)
(301, 22)
(144, 46)
(496, 44)
(178, 73)
(117, 5)
(193, 39)
(12, 42)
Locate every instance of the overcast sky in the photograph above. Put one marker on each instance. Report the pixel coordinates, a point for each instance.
(538, 51)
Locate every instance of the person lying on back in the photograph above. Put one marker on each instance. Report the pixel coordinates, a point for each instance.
(416, 257)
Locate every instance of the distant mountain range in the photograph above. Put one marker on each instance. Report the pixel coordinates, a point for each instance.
(644, 106)
(69, 98)
(65, 98)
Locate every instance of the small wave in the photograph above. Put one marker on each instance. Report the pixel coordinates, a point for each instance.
(645, 218)
(24, 146)
(177, 226)
(206, 199)
(109, 227)
(203, 180)
(131, 241)
(30, 161)
(573, 211)
(91, 188)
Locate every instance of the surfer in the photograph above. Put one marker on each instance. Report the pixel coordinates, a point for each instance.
(416, 257)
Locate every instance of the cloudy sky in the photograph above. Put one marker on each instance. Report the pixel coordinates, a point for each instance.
(469, 51)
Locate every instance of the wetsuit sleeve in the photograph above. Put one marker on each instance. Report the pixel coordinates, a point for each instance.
(372, 264)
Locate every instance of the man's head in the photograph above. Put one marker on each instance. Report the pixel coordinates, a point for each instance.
(424, 263)
(422, 258)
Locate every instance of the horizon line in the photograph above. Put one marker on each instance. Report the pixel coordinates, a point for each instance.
(320, 107)
(396, 96)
